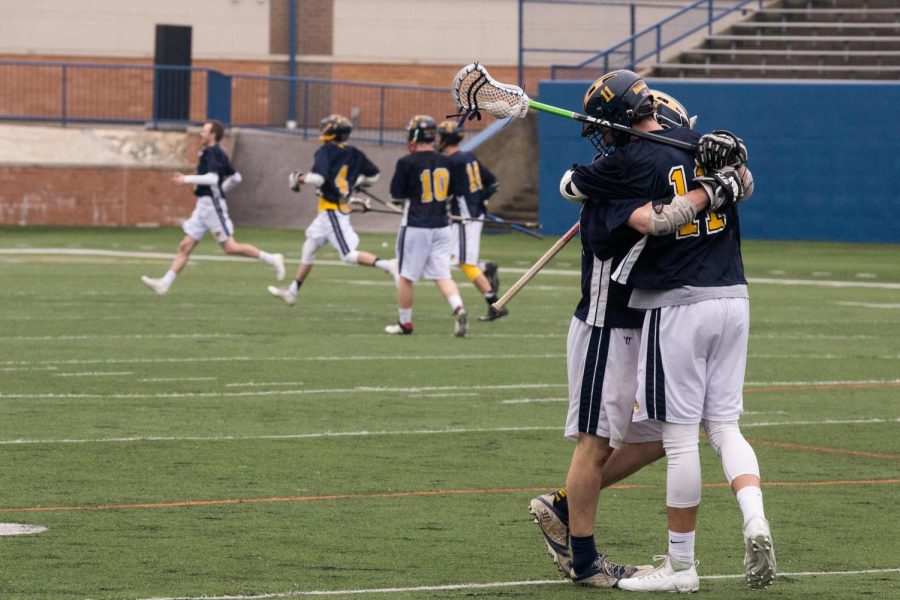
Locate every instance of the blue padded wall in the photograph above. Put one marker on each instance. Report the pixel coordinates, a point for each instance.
(825, 156)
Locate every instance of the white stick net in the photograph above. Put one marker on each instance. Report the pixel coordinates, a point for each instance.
(474, 90)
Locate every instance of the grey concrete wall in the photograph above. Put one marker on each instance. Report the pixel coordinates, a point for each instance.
(265, 159)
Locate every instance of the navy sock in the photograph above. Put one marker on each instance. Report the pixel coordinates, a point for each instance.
(584, 551)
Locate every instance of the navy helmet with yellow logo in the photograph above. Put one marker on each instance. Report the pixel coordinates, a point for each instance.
(335, 128)
(620, 97)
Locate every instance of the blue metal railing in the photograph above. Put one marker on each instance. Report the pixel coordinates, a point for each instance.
(65, 93)
(650, 42)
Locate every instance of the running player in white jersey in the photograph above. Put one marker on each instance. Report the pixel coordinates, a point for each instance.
(693, 343)
(215, 176)
(423, 183)
(469, 212)
(337, 168)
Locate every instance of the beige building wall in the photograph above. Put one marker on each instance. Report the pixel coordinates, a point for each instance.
(223, 29)
(450, 32)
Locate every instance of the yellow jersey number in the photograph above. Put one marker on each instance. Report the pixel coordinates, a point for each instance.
(474, 172)
(715, 222)
(435, 185)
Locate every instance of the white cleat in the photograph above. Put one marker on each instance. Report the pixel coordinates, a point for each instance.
(759, 553)
(278, 266)
(285, 294)
(460, 323)
(663, 578)
(157, 285)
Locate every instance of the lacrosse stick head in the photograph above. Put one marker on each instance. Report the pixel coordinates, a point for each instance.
(474, 90)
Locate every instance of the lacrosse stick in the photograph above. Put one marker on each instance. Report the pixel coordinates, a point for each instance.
(515, 227)
(530, 273)
(500, 223)
(474, 90)
(393, 207)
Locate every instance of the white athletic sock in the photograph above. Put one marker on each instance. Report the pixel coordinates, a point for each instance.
(384, 265)
(681, 547)
(266, 258)
(294, 286)
(404, 315)
(455, 302)
(169, 278)
(751, 502)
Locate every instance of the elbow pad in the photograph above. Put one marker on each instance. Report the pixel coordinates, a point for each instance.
(568, 190)
(747, 181)
(668, 216)
(231, 183)
(205, 179)
(314, 179)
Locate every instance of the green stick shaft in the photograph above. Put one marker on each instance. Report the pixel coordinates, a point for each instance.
(560, 112)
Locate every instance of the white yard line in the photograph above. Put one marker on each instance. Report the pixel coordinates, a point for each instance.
(364, 433)
(131, 336)
(94, 374)
(303, 392)
(214, 359)
(869, 305)
(559, 272)
(489, 585)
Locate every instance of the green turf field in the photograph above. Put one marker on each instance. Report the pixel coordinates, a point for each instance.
(217, 443)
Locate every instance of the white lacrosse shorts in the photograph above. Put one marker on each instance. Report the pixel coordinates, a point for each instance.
(602, 368)
(692, 363)
(332, 227)
(468, 242)
(424, 252)
(210, 215)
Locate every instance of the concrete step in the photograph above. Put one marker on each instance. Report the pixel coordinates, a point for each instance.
(791, 57)
(793, 42)
(838, 4)
(817, 29)
(828, 15)
(776, 71)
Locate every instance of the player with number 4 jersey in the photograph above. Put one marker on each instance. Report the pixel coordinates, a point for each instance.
(337, 169)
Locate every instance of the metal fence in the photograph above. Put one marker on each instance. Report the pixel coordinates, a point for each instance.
(648, 44)
(155, 95)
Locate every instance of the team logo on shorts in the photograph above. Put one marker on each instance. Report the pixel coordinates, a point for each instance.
(637, 406)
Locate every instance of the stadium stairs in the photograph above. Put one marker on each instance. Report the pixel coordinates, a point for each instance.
(801, 39)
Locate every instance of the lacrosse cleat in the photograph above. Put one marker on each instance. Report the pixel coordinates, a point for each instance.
(490, 271)
(663, 578)
(555, 529)
(157, 285)
(606, 574)
(460, 322)
(399, 328)
(759, 553)
(290, 298)
(278, 265)
(493, 315)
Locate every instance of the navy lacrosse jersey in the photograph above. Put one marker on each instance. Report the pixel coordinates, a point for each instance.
(424, 180)
(213, 160)
(703, 253)
(604, 303)
(340, 165)
(479, 183)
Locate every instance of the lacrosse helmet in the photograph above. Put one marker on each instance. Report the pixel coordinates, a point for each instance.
(335, 128)
(421, 128)
(621, 97)
(449, 134)
(670, 112)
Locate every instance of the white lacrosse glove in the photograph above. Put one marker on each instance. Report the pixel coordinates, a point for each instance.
(363, 204)
(295, 180)
(723, 187)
